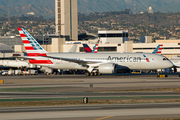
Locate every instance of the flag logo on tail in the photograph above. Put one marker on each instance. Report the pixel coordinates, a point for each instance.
(95, 49)
(158, 50)
(33, 48)
(29, 42)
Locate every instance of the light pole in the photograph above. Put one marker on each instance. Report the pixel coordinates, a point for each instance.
(43, 36)
(59, 41)
(59, 34)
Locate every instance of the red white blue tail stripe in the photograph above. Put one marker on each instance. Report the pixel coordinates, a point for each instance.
(158, 49)
(33, 48)
(31, 45)
(95, 48)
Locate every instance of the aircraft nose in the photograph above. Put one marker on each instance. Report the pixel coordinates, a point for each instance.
(169, 64)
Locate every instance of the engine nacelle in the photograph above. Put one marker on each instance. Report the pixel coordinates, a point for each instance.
(48, 71)
(107, 68)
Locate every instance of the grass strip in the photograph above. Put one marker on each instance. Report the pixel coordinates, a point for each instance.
(90, 98)
(79, 102)
(31, 89)
(144, 90)
(56, 89)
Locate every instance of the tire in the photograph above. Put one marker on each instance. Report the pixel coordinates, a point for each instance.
(99, 74)
(87, 74)
(91, 74)
(95, 74)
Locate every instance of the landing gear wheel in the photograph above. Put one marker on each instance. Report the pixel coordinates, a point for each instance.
(99, 74)
(87, 74)
(95, 74)
(91, 74)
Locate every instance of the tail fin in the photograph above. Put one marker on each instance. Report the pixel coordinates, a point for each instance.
(73, 49)
(158, 49)
(87, 48)
(95, 48)
(32, 47)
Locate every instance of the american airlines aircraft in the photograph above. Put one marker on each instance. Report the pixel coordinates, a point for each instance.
(94, 64)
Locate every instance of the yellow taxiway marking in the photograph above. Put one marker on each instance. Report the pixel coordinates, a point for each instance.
(103, 118)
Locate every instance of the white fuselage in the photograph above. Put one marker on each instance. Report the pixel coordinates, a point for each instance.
(123, 60)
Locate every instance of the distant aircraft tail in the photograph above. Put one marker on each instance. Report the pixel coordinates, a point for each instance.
(32, 47)
(73, 49)
(87, 48)
(158, 49)
(95, 48)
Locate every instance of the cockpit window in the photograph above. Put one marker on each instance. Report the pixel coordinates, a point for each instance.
(165, 59)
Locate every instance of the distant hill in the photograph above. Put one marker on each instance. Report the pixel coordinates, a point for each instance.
(45, 11)
(46, 7)
(15, 3)
(19, 7)
(164, 6)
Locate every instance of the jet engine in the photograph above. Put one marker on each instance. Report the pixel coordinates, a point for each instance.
(47, 70)
(107, 68)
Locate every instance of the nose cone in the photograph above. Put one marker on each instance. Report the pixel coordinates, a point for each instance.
(169, 64)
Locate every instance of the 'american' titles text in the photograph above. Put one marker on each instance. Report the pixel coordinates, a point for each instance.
(125, 59)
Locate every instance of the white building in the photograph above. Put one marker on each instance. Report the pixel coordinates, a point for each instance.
(113, 36)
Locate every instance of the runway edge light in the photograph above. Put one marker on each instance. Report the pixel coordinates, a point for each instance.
(2, 81)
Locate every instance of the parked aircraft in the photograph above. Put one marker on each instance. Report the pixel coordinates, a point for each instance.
(73, 49)
(94, 64)
(95, 49)
(88, 49)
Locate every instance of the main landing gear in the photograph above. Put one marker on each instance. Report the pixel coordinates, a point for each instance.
(92, 73)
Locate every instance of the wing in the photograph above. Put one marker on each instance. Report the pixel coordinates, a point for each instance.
(25, 58)
(89, 64)
(83, 62)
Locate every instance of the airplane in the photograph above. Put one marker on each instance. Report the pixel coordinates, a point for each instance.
(88, 49)
(94, 64)
(95, 48)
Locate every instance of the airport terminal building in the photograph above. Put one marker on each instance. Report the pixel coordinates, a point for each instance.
(66, 21)
(109, 41)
